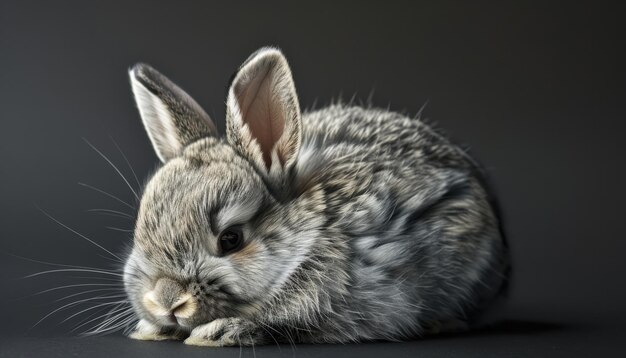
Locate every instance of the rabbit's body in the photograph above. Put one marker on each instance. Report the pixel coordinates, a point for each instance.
(411, 234)
(352, 224)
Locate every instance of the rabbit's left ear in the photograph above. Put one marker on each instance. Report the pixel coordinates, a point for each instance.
(263, 114)
(171, 117)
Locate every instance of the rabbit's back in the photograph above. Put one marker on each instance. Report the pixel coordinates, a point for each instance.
(390, 136)
(354, 152)
(422, 232)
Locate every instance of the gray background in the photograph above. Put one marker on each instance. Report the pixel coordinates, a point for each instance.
(535, 89)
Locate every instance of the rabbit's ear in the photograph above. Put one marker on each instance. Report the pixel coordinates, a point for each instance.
(171, 117)
(263, 114)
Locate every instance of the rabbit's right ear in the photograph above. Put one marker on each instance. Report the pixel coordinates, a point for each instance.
(263, 119)
(171, 117)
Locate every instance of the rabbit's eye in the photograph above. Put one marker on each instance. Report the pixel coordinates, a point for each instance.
(230, 240)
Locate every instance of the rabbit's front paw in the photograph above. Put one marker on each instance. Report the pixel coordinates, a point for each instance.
(146, 331)
(224, 332)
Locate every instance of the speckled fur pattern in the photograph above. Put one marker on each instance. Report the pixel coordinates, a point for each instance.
(363, 225)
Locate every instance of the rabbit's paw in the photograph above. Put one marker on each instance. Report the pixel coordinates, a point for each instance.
(146, 331)
(224, 332)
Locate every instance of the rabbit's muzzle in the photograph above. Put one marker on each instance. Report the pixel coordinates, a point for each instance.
(169, 303)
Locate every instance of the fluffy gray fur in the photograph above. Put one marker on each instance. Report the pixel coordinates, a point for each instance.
(358, 223)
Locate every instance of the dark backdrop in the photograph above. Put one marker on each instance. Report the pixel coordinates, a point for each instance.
(535, 89)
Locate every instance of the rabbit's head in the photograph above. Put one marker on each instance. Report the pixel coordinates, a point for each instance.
(212, 238)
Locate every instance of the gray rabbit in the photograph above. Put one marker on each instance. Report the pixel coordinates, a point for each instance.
(344, 224)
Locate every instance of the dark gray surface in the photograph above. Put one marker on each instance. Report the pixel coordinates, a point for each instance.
(536, 89)
(513, 338)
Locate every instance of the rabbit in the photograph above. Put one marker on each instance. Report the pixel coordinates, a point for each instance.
(343, 224)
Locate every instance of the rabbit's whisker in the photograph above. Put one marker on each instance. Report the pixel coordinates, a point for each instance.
(107, 194)
(109, 259)
(124, 307)
(94, 307)
(75, 270)
(102, 312)
(71, 304)
(121, 313)
(80, 235)
(76, 285)
(114, 167)
(56, 264)
(110, 326)
(118, 229)
(98, 278)
(127, 162)
(111, 213)
(88, 291)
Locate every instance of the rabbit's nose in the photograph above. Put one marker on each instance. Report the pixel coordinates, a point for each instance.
(168, 301)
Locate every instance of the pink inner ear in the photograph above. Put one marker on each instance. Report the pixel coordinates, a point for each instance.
(261, 111)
